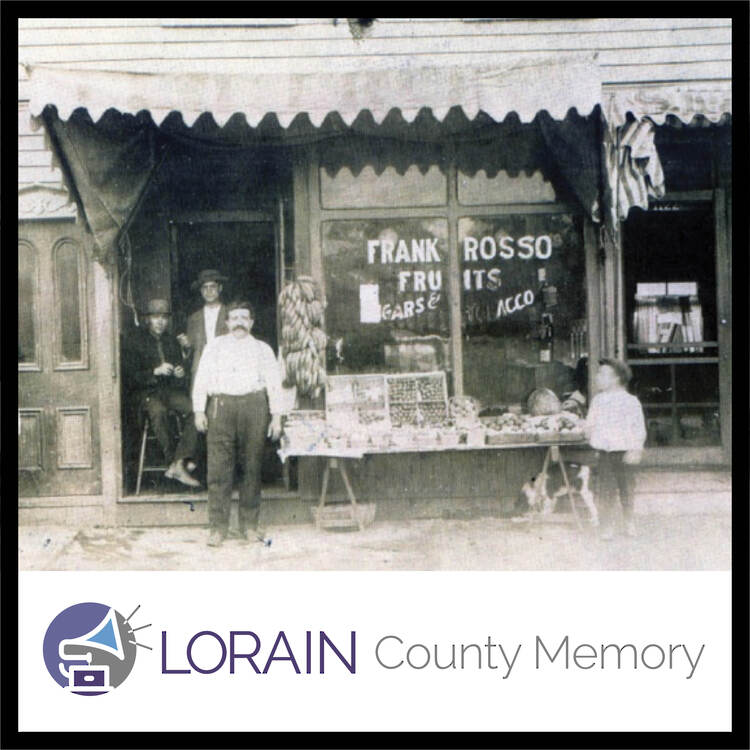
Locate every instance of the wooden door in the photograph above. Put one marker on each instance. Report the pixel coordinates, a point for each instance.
(58, 435)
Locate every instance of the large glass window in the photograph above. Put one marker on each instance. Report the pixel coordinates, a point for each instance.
(523, 305)
(387, 189)
(481, 189)
(387, 294)
(518, 321)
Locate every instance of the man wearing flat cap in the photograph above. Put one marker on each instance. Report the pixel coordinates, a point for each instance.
(237, 397)
(156, 382)
(208, 322)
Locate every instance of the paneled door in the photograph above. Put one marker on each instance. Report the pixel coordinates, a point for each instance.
(58, 420)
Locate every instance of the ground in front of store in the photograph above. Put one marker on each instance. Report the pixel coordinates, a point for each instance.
(683, 523)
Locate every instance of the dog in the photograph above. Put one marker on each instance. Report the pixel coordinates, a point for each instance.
(534, 498)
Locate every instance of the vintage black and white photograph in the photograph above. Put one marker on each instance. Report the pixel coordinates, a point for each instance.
(447, 294)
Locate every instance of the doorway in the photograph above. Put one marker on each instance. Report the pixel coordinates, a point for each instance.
(244, 251)
(58, 405)
(243, 247)
(670, 288)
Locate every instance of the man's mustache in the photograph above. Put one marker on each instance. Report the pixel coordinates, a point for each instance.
(235, 326)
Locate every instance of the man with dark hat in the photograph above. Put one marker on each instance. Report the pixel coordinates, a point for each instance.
(237, 397)
(208, 322)
(156, 382)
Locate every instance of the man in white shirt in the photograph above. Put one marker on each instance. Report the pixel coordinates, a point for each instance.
(237, 398)
(208, 322)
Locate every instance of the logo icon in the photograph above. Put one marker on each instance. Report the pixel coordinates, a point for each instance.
(90, 648)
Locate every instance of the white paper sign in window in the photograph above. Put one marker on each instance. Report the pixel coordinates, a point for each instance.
(369, 303)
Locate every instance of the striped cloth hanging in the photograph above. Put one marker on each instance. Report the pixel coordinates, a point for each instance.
(633, 168)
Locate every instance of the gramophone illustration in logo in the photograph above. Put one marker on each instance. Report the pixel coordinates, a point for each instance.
(90, 648)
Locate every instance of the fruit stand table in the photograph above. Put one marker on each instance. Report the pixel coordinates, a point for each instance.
(360, 514)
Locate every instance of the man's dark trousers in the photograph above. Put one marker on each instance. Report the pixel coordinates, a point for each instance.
(157, 403)
(237, 427)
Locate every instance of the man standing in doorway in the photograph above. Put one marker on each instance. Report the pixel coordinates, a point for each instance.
(237, 398)
(156, 380)
(208, 322)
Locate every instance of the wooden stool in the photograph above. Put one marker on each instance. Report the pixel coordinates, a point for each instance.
(146, 436)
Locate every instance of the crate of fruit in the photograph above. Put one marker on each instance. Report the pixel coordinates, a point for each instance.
(565, 437)
(357, 402)
(509, 438)
(417, 399)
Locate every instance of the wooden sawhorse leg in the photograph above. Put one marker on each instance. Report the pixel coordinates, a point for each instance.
(554, 455)
(541, 482)
(339, 465)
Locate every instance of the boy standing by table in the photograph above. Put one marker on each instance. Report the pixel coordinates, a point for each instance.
(615, 427)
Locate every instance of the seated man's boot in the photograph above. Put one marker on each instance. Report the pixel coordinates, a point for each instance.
(177, 471)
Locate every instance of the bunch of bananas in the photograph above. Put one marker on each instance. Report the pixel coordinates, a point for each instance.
(303, 341)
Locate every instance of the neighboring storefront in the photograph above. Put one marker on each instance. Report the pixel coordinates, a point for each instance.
(487, 236)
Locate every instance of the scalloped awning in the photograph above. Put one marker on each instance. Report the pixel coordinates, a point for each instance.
(711, 100)
(526, 87)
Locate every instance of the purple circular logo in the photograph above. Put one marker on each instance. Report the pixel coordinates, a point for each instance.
(90, 648)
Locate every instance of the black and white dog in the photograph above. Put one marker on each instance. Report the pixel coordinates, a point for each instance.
(535, 498)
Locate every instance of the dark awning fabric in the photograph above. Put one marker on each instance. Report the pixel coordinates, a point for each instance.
(108, 167)
(109, 164)
(110, 131)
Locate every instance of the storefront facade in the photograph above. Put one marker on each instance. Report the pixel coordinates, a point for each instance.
(497, 246)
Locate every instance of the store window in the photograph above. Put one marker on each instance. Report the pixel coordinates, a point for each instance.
(670, 296)
(523, 305)
(27, 306)
(387, 294)
(481, 189)
(385, 190)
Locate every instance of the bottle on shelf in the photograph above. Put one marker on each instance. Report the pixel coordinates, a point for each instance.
(546, 338)
(547, 292)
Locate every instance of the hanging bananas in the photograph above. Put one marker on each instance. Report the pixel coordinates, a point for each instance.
(303, 340)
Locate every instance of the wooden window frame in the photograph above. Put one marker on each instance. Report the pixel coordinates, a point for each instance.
(414, 207)
(452, 211)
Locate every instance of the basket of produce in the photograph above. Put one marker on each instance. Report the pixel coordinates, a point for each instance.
(508, 428)
(556, 428)
(464, 412)
(447, 438)
(475, 437)
(343, 515)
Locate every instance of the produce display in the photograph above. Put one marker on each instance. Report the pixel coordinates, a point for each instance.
(357, 402)
(528, 427)
(417, 399)
(464, 411)
(303, 340)
(405, 413)
(543, 401)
